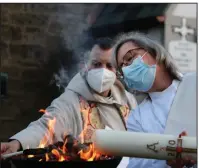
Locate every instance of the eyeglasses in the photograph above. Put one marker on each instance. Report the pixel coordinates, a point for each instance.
(129, 57)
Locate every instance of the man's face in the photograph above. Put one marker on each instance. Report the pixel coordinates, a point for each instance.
(129, 51)
(101, 59)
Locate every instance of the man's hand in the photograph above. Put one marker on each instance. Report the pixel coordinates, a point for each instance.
(188, 162)
(10, 147)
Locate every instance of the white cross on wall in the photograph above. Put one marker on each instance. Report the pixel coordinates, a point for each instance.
(184, 30)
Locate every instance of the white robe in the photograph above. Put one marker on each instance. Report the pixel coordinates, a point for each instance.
(169, 112)
(183, 113)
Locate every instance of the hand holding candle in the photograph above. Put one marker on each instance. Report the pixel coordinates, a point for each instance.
(188, 162)
(144, 145)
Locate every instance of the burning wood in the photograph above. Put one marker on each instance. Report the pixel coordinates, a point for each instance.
(69, 150)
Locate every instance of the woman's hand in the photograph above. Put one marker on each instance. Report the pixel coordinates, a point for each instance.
(188, 161)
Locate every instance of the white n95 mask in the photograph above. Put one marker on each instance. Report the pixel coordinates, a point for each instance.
(100, 79)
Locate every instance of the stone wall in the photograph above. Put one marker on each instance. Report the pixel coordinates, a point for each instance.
(31, 49)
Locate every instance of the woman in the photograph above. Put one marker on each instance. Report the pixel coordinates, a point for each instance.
(169, 107)
(93, 100)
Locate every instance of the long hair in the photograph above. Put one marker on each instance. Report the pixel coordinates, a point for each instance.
(154, 48)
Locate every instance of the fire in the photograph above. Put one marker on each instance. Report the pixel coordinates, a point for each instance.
(47, 157)
(50, 134)
(56, 153)
(30, 156)
(61, 153)
(42, 111)
(62, 159)
(89, 155)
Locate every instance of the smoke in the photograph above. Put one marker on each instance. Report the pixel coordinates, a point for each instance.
(72, 51)
(61, 78)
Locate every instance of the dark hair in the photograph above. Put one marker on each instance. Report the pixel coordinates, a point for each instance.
(104, 43)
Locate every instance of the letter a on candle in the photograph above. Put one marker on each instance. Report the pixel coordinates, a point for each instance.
(153, 147)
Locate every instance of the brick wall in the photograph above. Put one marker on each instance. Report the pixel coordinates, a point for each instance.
(31, 48)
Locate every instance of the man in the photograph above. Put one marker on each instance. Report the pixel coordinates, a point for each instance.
(94, 93)
(170, 104)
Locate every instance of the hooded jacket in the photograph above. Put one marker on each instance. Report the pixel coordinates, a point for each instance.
(69, 114)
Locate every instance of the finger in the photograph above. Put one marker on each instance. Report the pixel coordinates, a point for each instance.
(7, 151)
(184, 133)
(4, 147)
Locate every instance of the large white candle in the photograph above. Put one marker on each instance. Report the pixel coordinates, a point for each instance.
(143, 145)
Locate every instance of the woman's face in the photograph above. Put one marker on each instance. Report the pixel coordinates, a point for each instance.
(129, 51)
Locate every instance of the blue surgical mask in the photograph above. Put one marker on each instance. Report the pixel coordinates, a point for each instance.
(139, 76)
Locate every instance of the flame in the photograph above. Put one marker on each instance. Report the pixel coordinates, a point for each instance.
(90, 154)
(43, 111)
(50, 134)
(62, 159)
(47, 157)
(30, 156)
(43, 142)
(56, 153)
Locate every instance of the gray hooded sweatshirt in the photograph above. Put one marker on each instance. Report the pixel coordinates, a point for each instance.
(66, 111)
